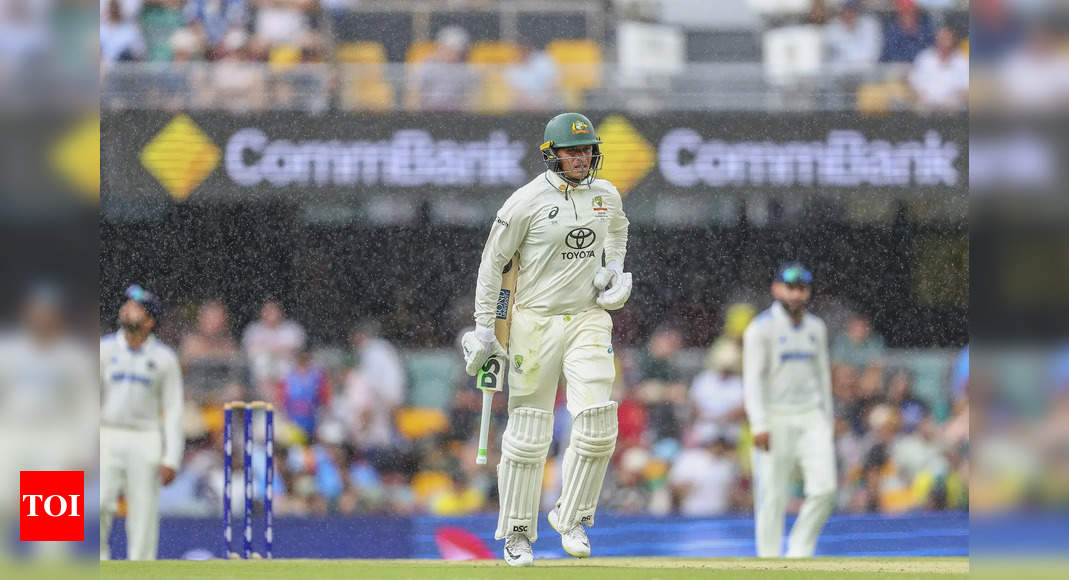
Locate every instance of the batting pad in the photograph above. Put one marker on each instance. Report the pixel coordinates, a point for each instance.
(519, 475)
(585, 461)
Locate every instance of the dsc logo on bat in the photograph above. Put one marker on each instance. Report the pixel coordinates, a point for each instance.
(51, 506)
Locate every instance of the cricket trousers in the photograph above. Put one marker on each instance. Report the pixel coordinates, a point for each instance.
(541, 348)
(129, 464)
(803, 439)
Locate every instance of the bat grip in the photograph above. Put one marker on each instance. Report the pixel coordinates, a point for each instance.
(484, 426)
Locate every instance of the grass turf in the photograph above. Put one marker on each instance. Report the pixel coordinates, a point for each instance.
(591, 569)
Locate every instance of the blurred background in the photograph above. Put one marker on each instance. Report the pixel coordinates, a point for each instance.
(308, 186)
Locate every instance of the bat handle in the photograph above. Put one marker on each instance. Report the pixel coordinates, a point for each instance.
(484, 426)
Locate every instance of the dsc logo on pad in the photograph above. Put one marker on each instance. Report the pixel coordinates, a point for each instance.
(51, 506)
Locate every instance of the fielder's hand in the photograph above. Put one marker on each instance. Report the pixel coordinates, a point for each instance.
(167, 475)
(479, 345)
(614, 284)
(762, 441)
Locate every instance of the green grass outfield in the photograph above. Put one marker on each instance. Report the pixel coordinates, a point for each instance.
(591, 569)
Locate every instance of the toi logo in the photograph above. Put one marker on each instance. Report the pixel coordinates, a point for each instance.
(51, 506)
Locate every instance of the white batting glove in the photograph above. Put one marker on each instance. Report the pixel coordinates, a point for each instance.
(479, 345)
(608, 275)
(617, 294)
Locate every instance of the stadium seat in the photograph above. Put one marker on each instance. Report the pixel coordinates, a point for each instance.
(580, 64)
(881, 98)
(284, 56)
(418, 422)
(373, 93)
(366, 86)
(419, 51)
(494, 52)
(495, 93)
(361, 53)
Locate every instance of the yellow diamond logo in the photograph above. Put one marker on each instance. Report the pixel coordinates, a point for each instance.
(77, 157)
(628, 155)
(181, 157)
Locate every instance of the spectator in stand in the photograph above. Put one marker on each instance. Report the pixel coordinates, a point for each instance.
(120, 38)
(858, 346)
(900, 396)
(374, 390)
(209, 354)
(704, 479)
(1034, 77)
(716, 396)
(662, 387)
(921, 464)
(940, 75)
(993, 31)
(883, 425)
(625, 489)
(818, 13)
(214, 18)
(304, 392)
(271, 343)
(534, 80)
(441, 82)
(238, 82)
(128, 10)
(186, 46)
(907, 34)
(159, 21)
(379, 359)
(283, 22)
(854, 40)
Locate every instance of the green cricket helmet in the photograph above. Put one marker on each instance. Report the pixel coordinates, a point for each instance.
(570, 130)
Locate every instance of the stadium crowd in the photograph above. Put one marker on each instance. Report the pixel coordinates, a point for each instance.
(906, 54)
(369, 429)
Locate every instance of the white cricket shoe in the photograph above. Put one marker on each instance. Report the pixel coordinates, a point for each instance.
(574, 541)
(518, 550)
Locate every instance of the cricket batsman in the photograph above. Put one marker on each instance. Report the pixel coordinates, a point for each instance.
(140, 423)
(787, 388)
(570, 232)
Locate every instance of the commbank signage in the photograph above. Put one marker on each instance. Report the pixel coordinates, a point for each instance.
(339, 156)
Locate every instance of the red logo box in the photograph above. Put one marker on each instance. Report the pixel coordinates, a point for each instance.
(51, 506)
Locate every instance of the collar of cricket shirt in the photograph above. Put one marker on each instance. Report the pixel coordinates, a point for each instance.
(563, 186)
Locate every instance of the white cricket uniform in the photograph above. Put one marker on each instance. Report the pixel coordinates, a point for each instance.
(787, 384)
(140, 429)
(560, 233)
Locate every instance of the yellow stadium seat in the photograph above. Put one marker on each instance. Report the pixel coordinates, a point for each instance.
(367, 87)
(419, 51)
(494, 52)
(362, 53)
(881, 98)
(580, 64)
(495, 92)
(284, 56)
(370, 93)
(418, 422)
(427, 483)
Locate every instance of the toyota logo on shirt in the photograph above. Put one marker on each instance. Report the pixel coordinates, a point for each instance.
(580, 238)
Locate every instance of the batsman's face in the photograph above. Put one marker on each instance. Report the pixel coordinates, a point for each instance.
(575, 161)
(133, 316)
(795, 297)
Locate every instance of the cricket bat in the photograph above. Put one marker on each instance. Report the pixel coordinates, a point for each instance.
(491, 378)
